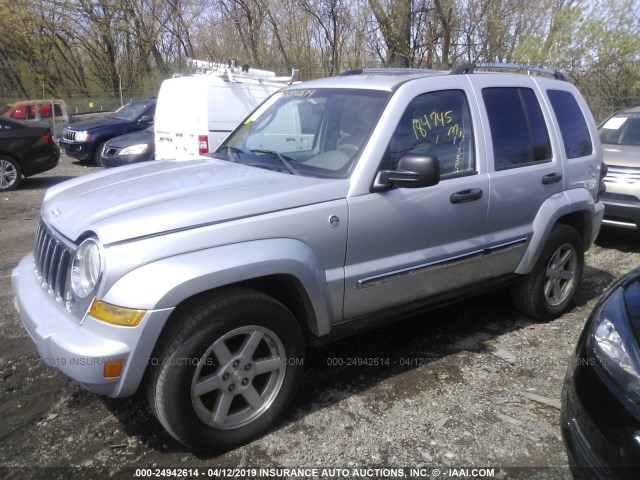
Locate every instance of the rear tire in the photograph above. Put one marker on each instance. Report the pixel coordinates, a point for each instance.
(550, 287)
(10, 174)
(230, 371)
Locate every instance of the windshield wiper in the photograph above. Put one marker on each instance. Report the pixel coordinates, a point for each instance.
(283, 160)
(232, 153)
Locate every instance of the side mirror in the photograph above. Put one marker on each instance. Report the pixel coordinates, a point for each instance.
(414, 171)
(146, 119)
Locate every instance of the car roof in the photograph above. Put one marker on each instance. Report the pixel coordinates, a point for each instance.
(20, 103)
(634, 109)
(370, 79)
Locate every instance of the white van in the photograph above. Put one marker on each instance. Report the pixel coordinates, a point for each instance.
(195, 113)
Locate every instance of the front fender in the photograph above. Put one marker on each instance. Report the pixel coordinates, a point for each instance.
(167, 282)
(569, 202)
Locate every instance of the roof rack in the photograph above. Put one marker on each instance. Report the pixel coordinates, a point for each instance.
(385, 71)
(470, 67)
(231, 70)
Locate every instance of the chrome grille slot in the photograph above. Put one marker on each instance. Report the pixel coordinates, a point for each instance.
(69, 135)
(628, 175)
(51, 260)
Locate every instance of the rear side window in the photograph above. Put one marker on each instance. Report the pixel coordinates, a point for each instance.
(518, 130)
(45, 110)
(573, 126)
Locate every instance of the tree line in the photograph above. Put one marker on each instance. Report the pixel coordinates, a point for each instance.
(85, 48)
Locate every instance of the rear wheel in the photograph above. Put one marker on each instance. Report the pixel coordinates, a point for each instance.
(230, 371)
(550, 287)
(10, 174)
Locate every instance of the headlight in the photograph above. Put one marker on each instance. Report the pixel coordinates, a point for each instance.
(135, 149)
(82, 136)
(612, 341)
(86, 268)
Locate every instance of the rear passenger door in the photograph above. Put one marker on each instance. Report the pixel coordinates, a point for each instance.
(524, 169)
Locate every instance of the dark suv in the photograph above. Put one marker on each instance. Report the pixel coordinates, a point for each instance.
(84, 140)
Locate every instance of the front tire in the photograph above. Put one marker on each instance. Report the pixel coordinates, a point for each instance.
(550, 287)
(97, 154)
(229, 373)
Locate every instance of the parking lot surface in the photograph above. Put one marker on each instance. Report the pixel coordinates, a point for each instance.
(476, 384)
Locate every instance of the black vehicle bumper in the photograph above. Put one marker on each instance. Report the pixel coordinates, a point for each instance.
(601, 435)
(79, 151)
(42, 163)
(117, 161)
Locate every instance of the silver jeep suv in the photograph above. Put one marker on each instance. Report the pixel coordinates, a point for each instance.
(337, 204)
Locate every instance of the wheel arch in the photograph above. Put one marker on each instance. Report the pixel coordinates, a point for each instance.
(575, 208)
(287, 270)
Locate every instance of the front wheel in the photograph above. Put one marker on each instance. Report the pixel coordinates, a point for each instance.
(97, 154)
(229, 373)
(550, 287)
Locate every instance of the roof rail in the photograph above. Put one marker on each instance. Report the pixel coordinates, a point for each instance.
(385, 71)
(470, 67)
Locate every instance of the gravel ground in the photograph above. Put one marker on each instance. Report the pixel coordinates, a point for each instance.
(472, 385)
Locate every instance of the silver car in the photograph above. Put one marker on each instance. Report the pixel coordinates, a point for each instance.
(620, 136)
(335, 206)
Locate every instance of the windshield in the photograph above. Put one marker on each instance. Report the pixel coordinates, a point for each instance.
(131, 111)
(621, 129)
(317, 132)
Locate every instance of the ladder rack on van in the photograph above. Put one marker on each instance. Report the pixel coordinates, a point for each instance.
(233, 72)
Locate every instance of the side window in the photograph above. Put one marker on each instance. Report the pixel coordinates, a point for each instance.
(518, 131)
(573, 126)
(19, 113)
(438, 124)
(45, 110)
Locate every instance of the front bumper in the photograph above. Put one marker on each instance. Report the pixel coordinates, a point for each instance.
(81, 349)
(600, 433)
(622, 211)
(79, 151)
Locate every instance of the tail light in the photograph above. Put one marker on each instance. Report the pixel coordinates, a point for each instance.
(47, 138)
(602, 187)
(203, 144)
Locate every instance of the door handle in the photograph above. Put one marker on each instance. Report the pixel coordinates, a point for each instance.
(289, 139)
(466, 195)
(551, 178)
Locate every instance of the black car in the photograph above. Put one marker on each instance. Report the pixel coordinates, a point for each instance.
(130, 148)
(25, 150)
(84, 140)
(601, 396)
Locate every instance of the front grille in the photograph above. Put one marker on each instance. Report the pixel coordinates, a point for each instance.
(626, 175)
(69, 135)
(52, 259)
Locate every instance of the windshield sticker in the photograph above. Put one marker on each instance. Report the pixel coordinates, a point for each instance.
(615, 123)
(298, 93)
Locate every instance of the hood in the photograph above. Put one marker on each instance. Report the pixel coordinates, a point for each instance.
(150, 198)
(134, 138)
(96, 123)
(621, 155)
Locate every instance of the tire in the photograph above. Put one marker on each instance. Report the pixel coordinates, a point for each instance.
(96, 154)
(228, 372)
(10, 174)
(550, 287)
